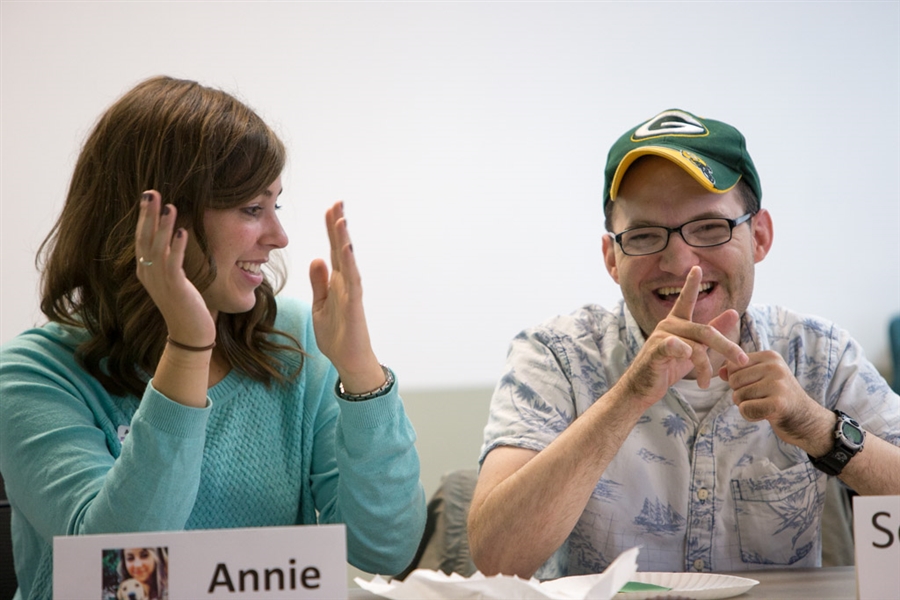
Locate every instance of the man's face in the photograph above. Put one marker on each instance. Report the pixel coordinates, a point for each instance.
(656, 191)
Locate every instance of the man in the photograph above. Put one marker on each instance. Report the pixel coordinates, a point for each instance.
(683, 420)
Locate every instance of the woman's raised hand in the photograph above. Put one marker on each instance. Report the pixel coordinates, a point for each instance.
(159, 250)
(338, 316)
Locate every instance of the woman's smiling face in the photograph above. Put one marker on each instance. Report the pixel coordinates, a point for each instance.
(140, 563)
(240, 240)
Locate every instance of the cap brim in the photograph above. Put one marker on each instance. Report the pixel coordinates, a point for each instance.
(724, 180)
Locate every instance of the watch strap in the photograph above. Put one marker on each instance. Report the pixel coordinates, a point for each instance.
(832, 463)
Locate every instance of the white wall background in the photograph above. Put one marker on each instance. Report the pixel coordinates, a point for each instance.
(468, 141)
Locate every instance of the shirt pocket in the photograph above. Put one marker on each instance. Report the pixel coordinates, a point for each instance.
(776, 515)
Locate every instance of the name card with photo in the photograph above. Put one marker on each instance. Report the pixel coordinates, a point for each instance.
(876, 534)
(308, 562)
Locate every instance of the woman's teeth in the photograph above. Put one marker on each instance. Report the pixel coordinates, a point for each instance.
(250, 267)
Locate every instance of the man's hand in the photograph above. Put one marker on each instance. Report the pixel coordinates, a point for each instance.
(678, 346)
(765, 388)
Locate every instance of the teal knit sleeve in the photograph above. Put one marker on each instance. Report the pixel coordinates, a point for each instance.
(64, 467)
(380, 496)
(364, 467)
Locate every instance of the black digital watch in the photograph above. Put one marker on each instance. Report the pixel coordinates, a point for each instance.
(849, 438)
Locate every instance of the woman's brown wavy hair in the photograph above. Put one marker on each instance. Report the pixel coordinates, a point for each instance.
(201, 149)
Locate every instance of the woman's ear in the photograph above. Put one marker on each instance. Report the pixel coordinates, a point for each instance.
(609, 256)
(762, 234)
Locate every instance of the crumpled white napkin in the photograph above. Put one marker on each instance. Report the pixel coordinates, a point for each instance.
(425, 584)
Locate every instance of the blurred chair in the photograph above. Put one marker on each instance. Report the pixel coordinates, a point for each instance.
(894, 336)
(837, 525)
(7, 570)
(445, 543)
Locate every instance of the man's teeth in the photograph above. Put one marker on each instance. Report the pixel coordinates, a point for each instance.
(674, 291)
(250, 266)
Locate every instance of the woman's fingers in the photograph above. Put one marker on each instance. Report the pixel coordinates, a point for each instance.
(146, 227)
(338, 315)
(160, 251)
(154, 235)
(318, 277)
(159, 248)
(162, 238)
(336, 225)
(343, 261)
(347, 257)
(177, 249)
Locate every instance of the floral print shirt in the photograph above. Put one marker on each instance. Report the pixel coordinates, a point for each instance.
(713, 494)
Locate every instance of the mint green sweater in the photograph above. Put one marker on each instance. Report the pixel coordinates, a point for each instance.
(254, 457)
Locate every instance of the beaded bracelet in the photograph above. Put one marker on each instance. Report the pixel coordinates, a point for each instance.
(383, 389)
(190, 348)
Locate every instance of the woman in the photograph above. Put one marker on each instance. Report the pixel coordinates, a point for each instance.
(148, 566)
(170, 389)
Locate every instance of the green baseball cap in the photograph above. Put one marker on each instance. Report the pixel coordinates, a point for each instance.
(712, 152)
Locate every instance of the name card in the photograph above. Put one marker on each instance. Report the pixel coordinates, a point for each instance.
(307, 561)
(876, 534)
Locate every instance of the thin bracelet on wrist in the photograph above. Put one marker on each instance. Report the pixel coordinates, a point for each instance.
(190, 348)
(381, 390)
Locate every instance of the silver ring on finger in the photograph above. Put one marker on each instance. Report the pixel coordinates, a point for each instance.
(145, 263)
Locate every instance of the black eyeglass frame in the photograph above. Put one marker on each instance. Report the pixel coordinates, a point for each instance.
(732, 223)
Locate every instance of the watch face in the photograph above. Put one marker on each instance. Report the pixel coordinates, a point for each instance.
(853, 434)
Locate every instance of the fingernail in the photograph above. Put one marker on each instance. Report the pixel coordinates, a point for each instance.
(351, 247)
(179, 232)
(145, 197)
(165, 210)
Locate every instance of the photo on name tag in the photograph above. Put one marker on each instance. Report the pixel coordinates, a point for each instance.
(135, 574)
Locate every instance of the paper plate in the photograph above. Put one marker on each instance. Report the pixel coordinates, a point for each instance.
(702, 586)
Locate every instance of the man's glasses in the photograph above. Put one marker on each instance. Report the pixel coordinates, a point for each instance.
(701, 233)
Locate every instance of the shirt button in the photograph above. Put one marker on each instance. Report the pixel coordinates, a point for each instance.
(703, 493)
(698, 564)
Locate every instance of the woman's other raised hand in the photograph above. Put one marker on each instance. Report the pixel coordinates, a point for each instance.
(338, 316)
